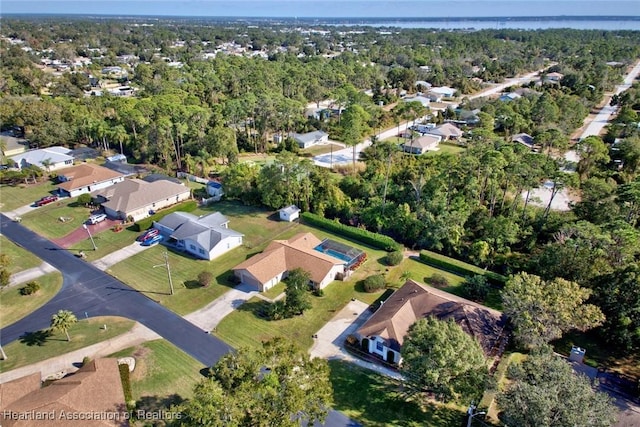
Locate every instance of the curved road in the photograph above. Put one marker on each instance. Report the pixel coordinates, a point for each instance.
(87, 289)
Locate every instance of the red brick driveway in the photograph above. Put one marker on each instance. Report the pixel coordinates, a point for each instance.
(80, 234)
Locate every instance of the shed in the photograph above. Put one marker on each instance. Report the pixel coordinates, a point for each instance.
(289, 213)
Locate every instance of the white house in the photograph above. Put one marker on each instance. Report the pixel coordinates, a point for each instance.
(306, 140)
(135, 198)
(289, 213)
(86, 178)
(206, 237)
(443, 91)
(265, 270)
(422, 144)
(214, 189)
(54, 157)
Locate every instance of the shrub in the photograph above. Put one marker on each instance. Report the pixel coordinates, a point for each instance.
(205, 278)
(394, 258)
(276, 310)
(86, 360)
(318, 292)
(438, 280)
(5, 277)
(476, 287)
(459, 267)
(146, 223)
(30, 288)
(84, 199)
(365, 236)
(126, 382)
(374, 283)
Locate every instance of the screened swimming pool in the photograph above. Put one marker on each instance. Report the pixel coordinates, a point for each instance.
(352, 256)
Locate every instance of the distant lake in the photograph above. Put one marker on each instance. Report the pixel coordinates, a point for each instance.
(498, 23)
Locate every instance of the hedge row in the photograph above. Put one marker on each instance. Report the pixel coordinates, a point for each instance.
(367, 237)
(459, 267)
(146, 223)
(126, 382)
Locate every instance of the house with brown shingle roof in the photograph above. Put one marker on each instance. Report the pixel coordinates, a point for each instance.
(387, 327)
(86, 178)
(422, 144)
(265, 270)
(136, 198)
(91, 397)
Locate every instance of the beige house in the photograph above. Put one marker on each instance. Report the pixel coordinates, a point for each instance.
(265, 270)
(422, 144)
(86, 178)
(136, 198)
(95, 389)
(388, 326)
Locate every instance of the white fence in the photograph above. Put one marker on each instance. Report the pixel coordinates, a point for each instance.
(193, 177)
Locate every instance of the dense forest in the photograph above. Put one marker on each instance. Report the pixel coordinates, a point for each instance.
(205, 94)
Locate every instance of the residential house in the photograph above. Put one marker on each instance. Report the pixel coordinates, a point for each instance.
(289, 213)
(524, 139)
(205, 237)
(424, 100)
(511, 96)
(552, 77)
(446, 131)
(137, 199)
(265, 270)
(443, 91)
(422, 144)
(95, 388)
(306, 140)
(53, 157)
(386, 328)
(86, 178)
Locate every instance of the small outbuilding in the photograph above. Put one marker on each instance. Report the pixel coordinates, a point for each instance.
(289, 213)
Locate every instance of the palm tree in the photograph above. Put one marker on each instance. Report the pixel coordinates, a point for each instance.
(62, 321)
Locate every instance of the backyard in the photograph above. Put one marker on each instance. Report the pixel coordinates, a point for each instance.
(15, 306)
(375, 400)
(41, 345)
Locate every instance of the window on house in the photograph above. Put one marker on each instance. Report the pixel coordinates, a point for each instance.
(193, 247)
(201, 251)
(379, 346)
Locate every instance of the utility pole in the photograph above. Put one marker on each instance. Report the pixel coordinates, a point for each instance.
(95, 248)
(166, 264)
(471, 412)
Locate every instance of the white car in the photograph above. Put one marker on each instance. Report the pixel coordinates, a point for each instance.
(94, 219)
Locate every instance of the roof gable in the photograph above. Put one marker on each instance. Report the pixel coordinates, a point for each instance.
(86, 174)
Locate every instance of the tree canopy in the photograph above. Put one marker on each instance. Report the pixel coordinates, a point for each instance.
(439, 357)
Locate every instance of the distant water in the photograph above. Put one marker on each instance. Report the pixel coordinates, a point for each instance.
(495, 24)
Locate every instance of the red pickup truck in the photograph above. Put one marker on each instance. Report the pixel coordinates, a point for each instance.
(46, 200)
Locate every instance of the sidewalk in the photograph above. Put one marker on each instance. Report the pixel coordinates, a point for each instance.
(66, 363)
(30, 274)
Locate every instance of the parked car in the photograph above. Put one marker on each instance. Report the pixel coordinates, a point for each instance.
(148, 234)
(46, 200)
(152, 241)
(94, 219)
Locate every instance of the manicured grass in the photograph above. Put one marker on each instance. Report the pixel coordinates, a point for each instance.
(107, 241)
(138, 271)
(16, 306)
(164, 374)
(19, 258)
(46, 219)
(258, 159)
(15, 196)
(40, 345)
(375, 400)
(446, 148)
(275, 291)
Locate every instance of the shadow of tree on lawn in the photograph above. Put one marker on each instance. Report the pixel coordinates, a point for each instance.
(37, 338)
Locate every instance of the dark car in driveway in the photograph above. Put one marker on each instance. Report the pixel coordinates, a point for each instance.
(152, 241)
(46, 200)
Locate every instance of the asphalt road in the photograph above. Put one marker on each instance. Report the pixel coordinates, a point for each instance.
(87, 289)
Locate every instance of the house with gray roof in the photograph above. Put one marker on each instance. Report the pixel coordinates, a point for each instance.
(306, 140)
(54, 157)
(205, 237)
(137, 199)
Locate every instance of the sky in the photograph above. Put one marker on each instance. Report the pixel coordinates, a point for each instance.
(327, 8)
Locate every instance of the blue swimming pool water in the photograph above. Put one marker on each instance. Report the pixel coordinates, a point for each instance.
(333, 253)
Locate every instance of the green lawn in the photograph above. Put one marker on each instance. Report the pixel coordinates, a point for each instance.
(275, 291)
(447, 148)
(375, 400)
(40, 345)
(164, 374)
(106, 241)
(15, 196)
(16, 306)
(317, 150)
(47, 222)
(19, 258)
